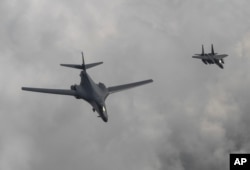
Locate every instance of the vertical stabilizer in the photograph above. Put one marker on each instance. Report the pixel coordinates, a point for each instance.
(212, 49)
(83, 63)
(202, 53)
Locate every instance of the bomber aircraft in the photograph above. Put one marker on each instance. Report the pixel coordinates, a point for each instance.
(211, 58)
(88, 90)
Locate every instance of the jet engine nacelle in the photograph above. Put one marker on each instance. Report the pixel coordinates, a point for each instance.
(102, 86)
(73, 87)
(204, 61)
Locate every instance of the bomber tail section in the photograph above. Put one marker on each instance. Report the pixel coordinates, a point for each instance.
(87, 66)
(83, 66)
(83, 63)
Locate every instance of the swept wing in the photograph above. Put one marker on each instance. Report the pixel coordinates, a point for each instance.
(83, 66)
(118, 88)
(52, 91)
(220, 56)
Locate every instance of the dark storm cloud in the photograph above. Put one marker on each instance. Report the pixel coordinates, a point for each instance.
(191, 117)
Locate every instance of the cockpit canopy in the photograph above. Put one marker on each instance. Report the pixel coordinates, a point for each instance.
(103, 112)
(102, 108)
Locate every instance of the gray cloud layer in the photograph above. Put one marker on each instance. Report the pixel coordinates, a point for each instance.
(191, 117)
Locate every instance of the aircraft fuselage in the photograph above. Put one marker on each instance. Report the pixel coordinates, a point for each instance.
(88, 90)
(210, 59)
(94, 94)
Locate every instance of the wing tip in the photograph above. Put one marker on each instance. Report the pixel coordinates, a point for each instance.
(147, 81)
(24, 88)
(150, 80)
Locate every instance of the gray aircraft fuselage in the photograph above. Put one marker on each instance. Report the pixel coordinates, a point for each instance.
(211, 58)
(88, 90)
(94, 94)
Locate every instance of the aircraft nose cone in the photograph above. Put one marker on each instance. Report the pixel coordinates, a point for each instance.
(105, 119)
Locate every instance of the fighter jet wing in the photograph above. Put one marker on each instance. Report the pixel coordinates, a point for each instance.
(199, 57)
(52, 91)
(114, 89)
(220, 56)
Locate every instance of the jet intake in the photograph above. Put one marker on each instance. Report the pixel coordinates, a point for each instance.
(73, 87)
(204, 61)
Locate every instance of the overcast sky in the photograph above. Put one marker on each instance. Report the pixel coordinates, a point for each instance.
(190, 118)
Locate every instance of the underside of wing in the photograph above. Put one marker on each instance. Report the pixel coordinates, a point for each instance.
(114, 89)
(51, 91)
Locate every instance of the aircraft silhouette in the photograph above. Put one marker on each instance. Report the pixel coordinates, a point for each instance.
(88, 90)
(211, 58)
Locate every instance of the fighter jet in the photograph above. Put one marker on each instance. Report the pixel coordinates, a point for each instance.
(88, 90)
(211, 58)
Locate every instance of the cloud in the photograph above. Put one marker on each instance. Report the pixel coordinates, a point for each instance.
(191, 117)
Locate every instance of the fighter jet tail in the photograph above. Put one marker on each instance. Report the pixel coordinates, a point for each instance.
(212, 50)
(202, 51)
(83, 66)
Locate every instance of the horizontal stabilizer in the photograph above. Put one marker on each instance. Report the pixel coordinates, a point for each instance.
(72, 66)
(114, 89)
(87, 66)
(52, 91)
(93, 65)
